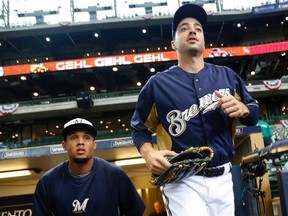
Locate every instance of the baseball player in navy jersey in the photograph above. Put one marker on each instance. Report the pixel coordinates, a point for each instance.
(193, 104)
(84, 184)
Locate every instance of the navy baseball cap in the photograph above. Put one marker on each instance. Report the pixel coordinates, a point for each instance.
(78, 124)
(189, 10)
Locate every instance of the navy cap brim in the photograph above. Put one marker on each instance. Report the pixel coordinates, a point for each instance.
(189, 10)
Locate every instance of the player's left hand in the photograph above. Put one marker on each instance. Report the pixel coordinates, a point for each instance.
(231, 106)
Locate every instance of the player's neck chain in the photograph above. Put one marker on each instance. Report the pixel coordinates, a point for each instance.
(77, 176)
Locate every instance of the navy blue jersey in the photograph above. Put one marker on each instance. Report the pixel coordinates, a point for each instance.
(180, 107)
(106, 190)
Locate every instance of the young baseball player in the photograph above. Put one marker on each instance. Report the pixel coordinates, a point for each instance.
(193, 104)
(84, 184)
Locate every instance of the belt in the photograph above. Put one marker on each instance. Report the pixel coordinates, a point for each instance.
(215, 171)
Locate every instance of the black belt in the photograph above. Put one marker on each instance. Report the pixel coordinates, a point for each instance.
(212, 171)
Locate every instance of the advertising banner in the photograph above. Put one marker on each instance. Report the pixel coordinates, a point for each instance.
(116, 60)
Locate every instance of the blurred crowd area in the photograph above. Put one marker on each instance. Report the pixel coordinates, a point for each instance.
(23, 13)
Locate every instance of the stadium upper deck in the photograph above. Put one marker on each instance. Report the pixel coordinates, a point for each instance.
(108, 35)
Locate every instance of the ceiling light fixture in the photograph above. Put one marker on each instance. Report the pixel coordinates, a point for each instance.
(18, 173)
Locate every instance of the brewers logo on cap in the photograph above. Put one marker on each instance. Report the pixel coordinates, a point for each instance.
(78, 124)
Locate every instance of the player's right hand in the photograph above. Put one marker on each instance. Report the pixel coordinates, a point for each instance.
(155, 160)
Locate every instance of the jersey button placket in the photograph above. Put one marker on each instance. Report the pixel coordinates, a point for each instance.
(197, 81)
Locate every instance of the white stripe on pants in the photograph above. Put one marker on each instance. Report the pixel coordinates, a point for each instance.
(200, 196)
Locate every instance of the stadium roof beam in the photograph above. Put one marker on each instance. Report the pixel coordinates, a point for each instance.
(39, 15)
(148, 6)
(92, 10)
